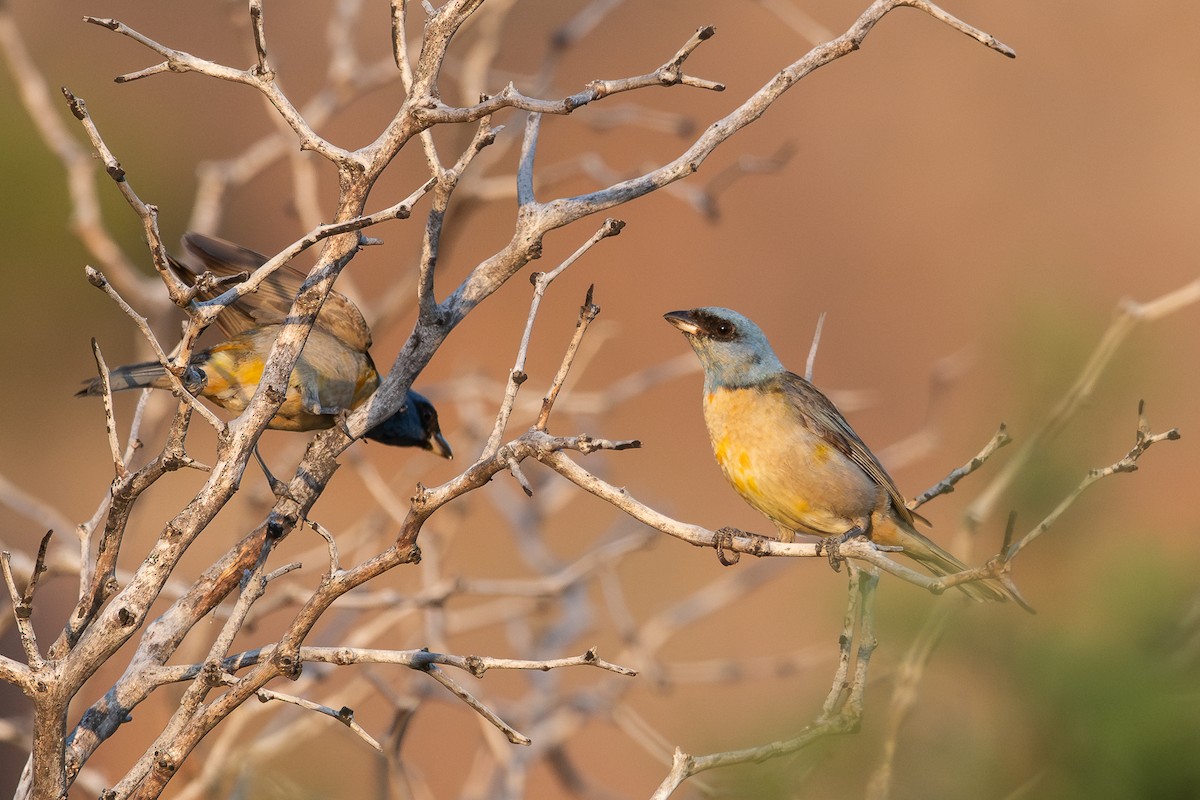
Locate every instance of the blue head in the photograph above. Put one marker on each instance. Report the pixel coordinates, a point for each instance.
(414, 425)
(733, 350)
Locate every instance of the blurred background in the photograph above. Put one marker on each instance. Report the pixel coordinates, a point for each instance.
(968, 223)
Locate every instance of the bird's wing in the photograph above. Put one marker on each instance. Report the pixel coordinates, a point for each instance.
(270, 304)
(235, 318)
(829, 423)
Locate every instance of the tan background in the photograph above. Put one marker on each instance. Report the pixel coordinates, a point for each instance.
(941, 200)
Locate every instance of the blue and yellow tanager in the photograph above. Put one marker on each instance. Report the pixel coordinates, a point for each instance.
(791, 454)
(333, 375)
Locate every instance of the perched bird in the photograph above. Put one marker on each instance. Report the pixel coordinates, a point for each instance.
(333, 375)
(791, 454)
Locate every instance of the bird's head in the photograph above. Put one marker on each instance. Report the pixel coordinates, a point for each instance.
(414, 425)
(733, 350)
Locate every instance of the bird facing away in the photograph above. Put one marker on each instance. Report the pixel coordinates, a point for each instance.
(791, 454)
(333, 375)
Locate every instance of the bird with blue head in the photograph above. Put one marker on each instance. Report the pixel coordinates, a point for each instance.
(789, 452)
(333, 375)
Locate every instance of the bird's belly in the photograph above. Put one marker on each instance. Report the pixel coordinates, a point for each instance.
(783, 469)
(232, 377)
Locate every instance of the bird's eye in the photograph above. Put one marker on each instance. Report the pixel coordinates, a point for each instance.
(725, 330)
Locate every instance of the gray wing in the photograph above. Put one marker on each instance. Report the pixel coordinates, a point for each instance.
(273, 300)
(825, 420)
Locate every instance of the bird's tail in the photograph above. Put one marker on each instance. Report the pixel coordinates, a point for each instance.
(923, 550)
(134, 376)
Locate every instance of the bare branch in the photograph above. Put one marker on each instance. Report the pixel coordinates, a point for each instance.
(179, 61)
(110, 422)
(432, 111)
(173, 370)
(587, 313)
(511, 733)
(22, 611)
(1143, 440)
(1130, 314)
(541, 281)
(946, 485)
(842, 710)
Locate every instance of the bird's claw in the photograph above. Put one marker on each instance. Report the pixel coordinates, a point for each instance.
(832, 546)
(832, 549)
(725, 539)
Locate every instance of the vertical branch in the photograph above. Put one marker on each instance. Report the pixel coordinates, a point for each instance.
(260, 39)
(905, 694)
(110, 422)
(587, 313)
(541, 282)
(399, 9)
(812, 350)
(22, 611)
(446, 183)
(525, 196)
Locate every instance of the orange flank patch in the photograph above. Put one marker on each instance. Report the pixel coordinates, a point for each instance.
(368, 381)
(228, 370)
(746, 485)
(721, 451)
(736, 463)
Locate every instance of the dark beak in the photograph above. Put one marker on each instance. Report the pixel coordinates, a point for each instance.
(437, 444)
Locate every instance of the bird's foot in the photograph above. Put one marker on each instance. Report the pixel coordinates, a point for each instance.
(831, 546)
(725, 539)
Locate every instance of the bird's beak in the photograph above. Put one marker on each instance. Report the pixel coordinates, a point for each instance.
(683, 321)
(439, 446)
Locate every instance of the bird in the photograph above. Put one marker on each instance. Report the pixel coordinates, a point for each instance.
(791, 454)
(333, 375)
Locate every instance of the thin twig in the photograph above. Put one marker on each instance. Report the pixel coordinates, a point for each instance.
(172, 370)
(840, 714)
(541, 281)
(110, 422)
(23, 614)
(1143, 441)
(946, 485)
(511, 733)
(812, 350)
(587, 313)
(1130, 314)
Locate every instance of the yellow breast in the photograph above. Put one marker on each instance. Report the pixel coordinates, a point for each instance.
(775, 461)
(233, 371)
